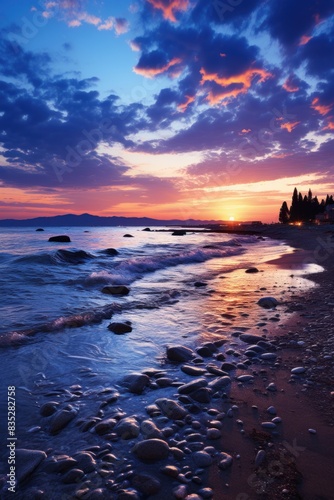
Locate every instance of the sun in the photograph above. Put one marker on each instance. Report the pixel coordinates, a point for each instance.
(231, 219)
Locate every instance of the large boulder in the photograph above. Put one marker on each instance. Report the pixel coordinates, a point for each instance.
(63, 238)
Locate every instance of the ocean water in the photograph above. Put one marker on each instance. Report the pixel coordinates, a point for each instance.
(54, 317)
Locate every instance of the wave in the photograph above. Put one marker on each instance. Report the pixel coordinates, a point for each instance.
(127, 271)
(59, 257)
(97, 315)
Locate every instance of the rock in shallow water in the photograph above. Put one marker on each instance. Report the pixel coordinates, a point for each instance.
(268, 302)
(63, 238)
(136, 382)
(180, 354)
(119, 328)
(26, 461)
(171, 409)
(116, 290)
(127, 428)
(61, 419)
(151, 450)
(298, 370)
(225, 461)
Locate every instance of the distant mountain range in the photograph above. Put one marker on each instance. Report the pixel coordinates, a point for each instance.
(95, 220)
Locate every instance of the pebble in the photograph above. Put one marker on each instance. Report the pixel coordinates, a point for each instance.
(105, 426)
(267, 302)
(250, 338)
(194, 371)
(245, 378)
(272, 410)
(298, 370)
(85, 461)
(146, 484)
(202, 459)
(268, 425)
(271, 387)
(61, 419)
(26, 461)
(171, 409)
(73, 476)
(180, 354)
(192, 386)
(151, 449)
(136, 382)
(226, 461)
(116, 290)
(48, 408)
(260, 456)
(213, 433)
(127, 428)
(119, 328)
(268, 356)
(312, 431)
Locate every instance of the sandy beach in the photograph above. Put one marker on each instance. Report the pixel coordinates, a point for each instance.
(243, 416)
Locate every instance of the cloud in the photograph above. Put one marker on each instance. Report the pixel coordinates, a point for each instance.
(169, 7)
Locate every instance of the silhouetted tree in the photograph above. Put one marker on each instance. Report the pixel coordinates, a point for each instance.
(284, 213)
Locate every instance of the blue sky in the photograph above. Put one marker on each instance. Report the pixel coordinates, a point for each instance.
(187, 108)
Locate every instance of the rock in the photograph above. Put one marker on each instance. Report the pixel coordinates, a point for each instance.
(219, 383)
(260, 456)
(146, 484)
(268, 302)
(202, 395)
(250, 338)
(119, 328)
(127, 236)
(85, 461)
(199, 284)
(205, 493)
(110, 251)
(298, 370)
(272, 410)
(151, 450)
(26, 461)
(146, 229)
(40, 229)
(127, 428)
(164, 382)
(192, 386)
(268, 425)
(73, 476)
(99, 494)
(48, 409)
(61, 419)
(150, 430)
(179, 354)
(127, 495)
(180, 492)
(136, 382)
(245, 378)
(205, 352)
(225, 461)
(213, 433)
(61, 239)
(228, 367)
(179, 232)
(252, 270)
(271, 387)
(194, 371)
(312, 431)
(171, 409)
(105, 426)
(202, 459)
(116, 290)
(268, 356)
(170, 471)
(59, 463)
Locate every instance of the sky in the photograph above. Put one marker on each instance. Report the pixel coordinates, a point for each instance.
(206, 109)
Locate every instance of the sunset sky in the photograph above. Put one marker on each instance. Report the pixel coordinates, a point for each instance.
(207, 109)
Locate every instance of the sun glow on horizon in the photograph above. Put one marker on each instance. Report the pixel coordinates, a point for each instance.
(231, 219)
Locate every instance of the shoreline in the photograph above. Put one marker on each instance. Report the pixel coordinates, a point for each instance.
(223, 420)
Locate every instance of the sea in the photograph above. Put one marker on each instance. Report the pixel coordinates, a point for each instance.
(184, 290)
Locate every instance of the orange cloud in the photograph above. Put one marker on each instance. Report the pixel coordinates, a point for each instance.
(304, 40)
(168, 10)
(289, 87)
(330, 126)
(152, 72)
(321, 108)
(245, 130)
(189, 99)
(244, 81)
(289, 126)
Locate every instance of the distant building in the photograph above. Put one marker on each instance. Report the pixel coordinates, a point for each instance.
(327, 216)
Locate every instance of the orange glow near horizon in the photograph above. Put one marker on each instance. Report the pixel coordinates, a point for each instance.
(321, 108)
(168, 10)
(243, 79)
(152, 72)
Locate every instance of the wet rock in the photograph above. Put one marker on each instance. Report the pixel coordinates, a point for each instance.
(179, 232)
(171, 409)
(225, 461)
(298, 370)
(180, 354)
(164, 382)
(127, 236)
(205, 493)
(73, 476)
(98, 494)
(271, 387)
(204, 352)
(250, 338)
(127, 428)
(219, 383)
(260, 456)
(170, 470)
(136, 382)
(312, 431)
(39, 229)
(116, 290)
(60, 463)
(268, 302)
(268, 356)
(105, 426)
(213, 433)
(26, 461)
(61, 419)
(268, 425)
(150, 430)
(146, 484)
(151, 450)
(120, 328)
(147, 229)
(272, 410)
(180, 492)
(85, 461)
(192, 386)
(61, 239)
(110, 251)
(202, 395)
(228, 366)
(252, 270)
(199, 284)
(194, 371)
(245, 378)
(48, 409)
(127, 495)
